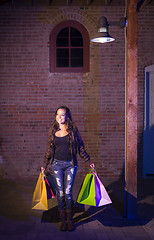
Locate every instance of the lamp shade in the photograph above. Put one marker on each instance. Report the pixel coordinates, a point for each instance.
(102, 37)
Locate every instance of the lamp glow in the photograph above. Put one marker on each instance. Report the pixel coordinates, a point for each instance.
(102, 37)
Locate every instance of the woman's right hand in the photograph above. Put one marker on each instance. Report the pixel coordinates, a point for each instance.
(42, 169)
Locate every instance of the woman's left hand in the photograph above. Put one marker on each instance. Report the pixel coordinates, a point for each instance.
(92, 166)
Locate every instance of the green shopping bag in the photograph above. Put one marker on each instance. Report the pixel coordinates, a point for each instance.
(87, 193)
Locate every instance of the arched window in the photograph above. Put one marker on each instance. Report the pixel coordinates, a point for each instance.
(69, 48)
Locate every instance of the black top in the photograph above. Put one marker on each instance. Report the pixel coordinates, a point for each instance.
(62, 149)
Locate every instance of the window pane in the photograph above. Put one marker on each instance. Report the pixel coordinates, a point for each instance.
(77, 57)
(62, 39)
(62, 58)
(76, 38)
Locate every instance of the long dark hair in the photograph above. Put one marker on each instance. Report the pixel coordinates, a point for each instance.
(69, 122)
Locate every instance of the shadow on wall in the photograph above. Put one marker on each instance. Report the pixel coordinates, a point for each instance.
(6, 165)
(15, 200)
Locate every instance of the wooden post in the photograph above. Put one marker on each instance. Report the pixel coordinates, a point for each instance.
(131, 144)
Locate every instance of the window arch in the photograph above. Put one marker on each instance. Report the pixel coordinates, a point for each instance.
(69, 48)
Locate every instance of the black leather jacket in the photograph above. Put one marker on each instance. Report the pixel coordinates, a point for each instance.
(76, 146)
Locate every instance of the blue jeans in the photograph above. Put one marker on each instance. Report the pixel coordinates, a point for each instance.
(64, 173)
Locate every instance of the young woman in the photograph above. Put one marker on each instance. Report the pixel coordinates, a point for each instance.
(64, 141)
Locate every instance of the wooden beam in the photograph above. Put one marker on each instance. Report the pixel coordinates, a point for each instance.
(89, 2)
(5, 1)
(108, 2)
(50, 2)
(141, 4)
(69, 2)
(33, 2)
(131, 144)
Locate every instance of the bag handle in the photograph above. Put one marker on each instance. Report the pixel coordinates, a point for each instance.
(93, 171)
(43, 175)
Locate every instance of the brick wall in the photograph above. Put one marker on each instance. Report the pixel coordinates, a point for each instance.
(30, 93)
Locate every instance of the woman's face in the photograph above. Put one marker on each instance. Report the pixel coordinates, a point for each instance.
(61, 116)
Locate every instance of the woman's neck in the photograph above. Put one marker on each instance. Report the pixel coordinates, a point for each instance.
(63, 127)
(62, 131)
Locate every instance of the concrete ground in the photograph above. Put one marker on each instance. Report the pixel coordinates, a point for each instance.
(19, 221)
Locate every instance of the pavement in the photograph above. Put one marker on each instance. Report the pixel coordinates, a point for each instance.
(19, 221)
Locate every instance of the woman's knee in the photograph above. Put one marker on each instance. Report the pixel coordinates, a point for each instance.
(61, 194)
(68, 192)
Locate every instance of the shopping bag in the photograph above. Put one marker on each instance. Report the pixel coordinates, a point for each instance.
(39, 200)
(101, 195)
(87, 192)
(93, 192)
(51, 182)
(50, 193)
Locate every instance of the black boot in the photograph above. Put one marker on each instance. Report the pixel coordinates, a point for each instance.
(63, 226)
(70, 224)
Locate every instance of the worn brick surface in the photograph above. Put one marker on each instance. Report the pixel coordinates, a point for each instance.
(30, 93)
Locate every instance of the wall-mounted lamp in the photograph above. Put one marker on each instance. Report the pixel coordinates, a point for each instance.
(103, 35)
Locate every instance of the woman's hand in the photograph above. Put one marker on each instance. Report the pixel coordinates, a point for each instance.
(42, 169)
(92, 166)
